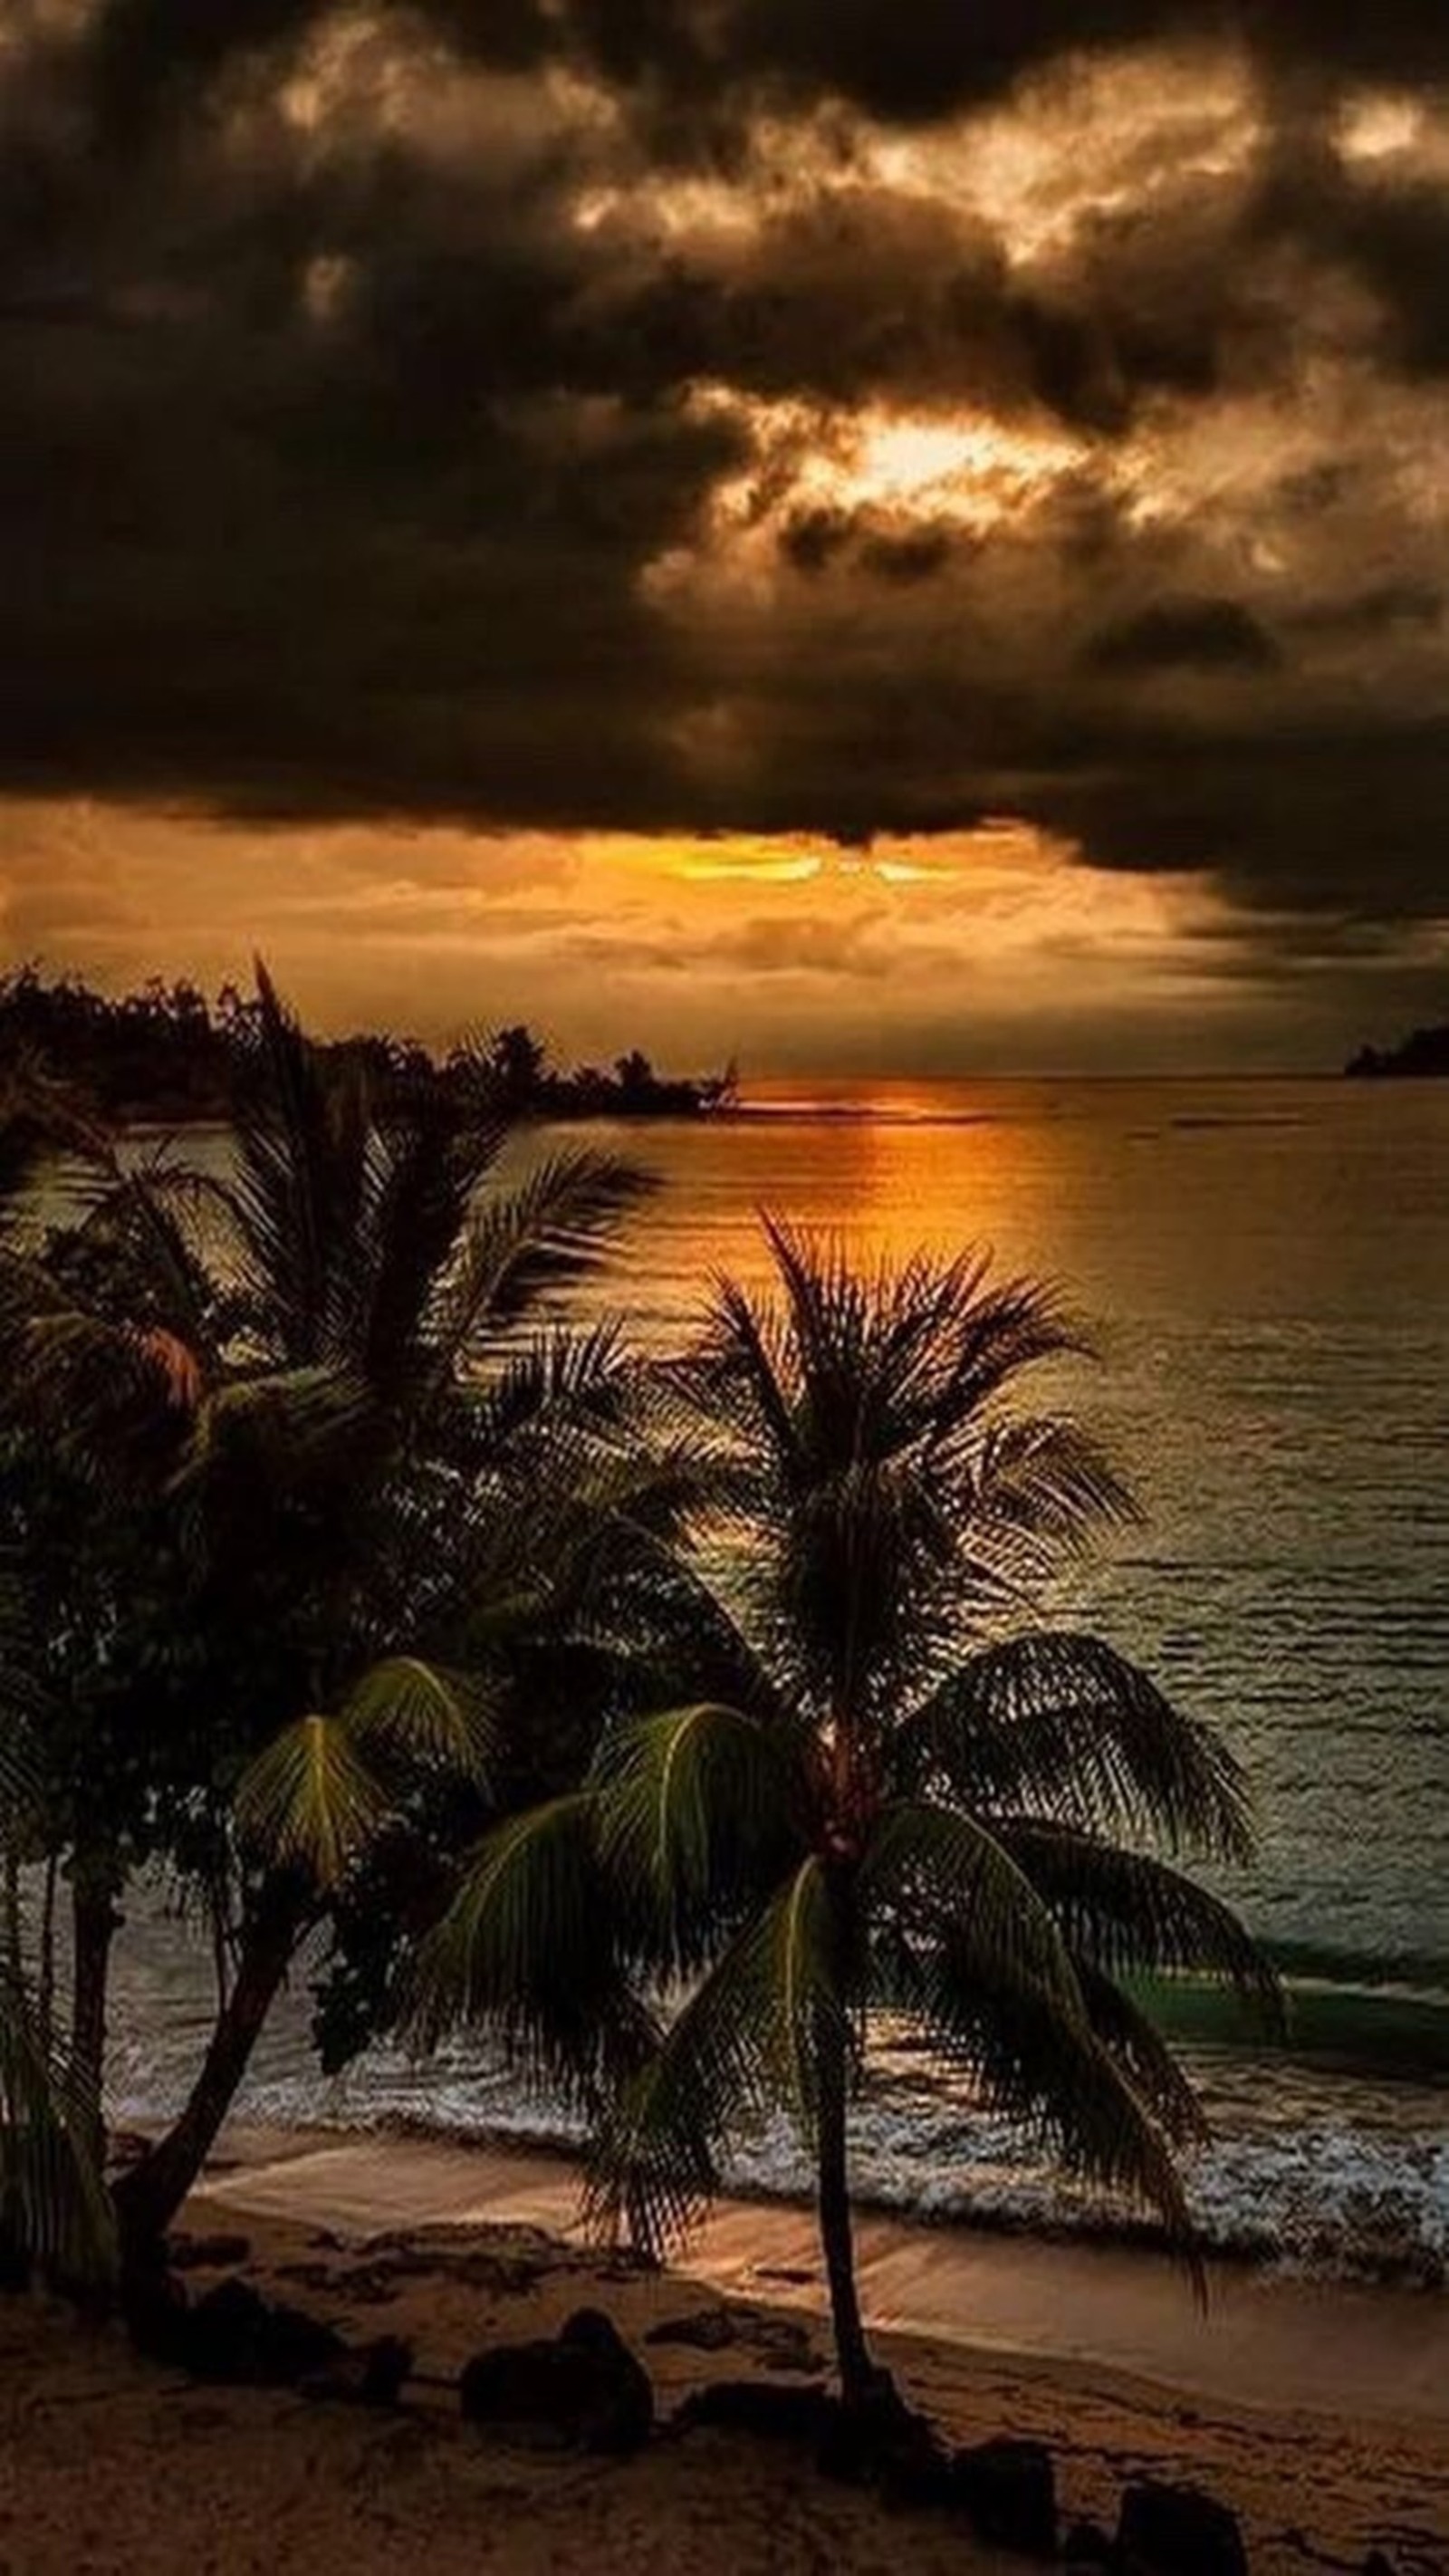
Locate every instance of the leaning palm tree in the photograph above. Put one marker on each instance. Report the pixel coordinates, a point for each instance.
(882, 1786)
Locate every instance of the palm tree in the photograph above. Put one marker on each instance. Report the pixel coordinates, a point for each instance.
(335, 1375)
(892, 1791)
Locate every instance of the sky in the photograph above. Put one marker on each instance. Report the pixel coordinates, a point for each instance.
(867, 536)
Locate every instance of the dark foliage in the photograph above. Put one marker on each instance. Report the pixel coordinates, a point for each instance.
(167, 1054)
(1426, 1052)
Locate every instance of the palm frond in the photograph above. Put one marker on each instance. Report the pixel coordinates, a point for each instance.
(1139, 2050)
(1048, 2071)
(549, 1231)
(930, 1872)
(1128, 1912)
(420, 1715)
(1060, 1725)
(1040, 1485)
(535, 1949)
(746, 2040)
(150, 1207)
(559, 1380)
(740, 1374)
(53, 2208)
(422, 1174)
(699, 1809)
(286, 1190)
(311, 1803)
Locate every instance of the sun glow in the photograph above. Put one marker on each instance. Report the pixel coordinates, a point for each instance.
(963, 470)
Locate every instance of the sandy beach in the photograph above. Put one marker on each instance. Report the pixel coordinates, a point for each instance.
(1318, 2413)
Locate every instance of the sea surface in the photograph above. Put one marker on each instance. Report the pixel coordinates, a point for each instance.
(1267, 1265)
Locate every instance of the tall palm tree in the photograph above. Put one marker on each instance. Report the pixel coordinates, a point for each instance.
(335, 1371)
(892, 1790)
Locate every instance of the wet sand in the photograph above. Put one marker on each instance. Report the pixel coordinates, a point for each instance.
(1329, 2348)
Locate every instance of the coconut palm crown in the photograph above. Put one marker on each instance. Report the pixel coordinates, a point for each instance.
(886, 1788)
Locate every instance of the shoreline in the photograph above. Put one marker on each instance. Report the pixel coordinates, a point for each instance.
(1369, 2350)
(114, 2466)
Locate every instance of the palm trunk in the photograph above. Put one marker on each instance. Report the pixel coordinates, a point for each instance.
(852, 2354)
(94, 1923)
(150, 2194)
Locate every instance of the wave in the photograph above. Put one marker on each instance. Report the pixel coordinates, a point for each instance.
(1307, 2169)
(1334, 2205)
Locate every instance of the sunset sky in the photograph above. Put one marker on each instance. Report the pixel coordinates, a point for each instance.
(881, 534)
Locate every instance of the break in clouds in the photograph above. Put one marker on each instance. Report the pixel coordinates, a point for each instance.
(769, 416)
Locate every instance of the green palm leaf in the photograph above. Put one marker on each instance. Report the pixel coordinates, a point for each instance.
(536, 1948)
(748, 2037)
(312, 1803)
(1062, 1725)
(699, 1808)
(1139, 2050)
(1049, 2071)
(420, 1715)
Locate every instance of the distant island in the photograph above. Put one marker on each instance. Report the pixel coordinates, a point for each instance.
(1425, 1053)
(166, 1054)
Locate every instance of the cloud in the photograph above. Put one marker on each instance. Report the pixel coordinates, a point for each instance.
(1184, 635)
(761, 417)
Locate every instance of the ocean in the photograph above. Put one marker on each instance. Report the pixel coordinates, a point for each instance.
(1266, 1264)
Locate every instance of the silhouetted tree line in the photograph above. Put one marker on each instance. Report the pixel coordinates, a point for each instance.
(167, 1053)
(1426, 1052)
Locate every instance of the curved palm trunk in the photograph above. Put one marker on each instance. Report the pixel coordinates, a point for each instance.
(857, 2373)
(149, 2196)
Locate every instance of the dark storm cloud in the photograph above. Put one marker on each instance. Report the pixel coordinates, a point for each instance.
(1184, 635)
(913, 64)
(348, 468)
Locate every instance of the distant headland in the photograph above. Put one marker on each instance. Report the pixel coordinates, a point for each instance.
(167, 1055)
(1425, 1053)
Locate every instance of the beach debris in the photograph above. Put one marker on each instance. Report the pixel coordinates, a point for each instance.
(783, 2343)
(1008, 2488)
(366, 2374)
(704, 2330)
(583, 2391)
(207, 2253)
(1178, 2531)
